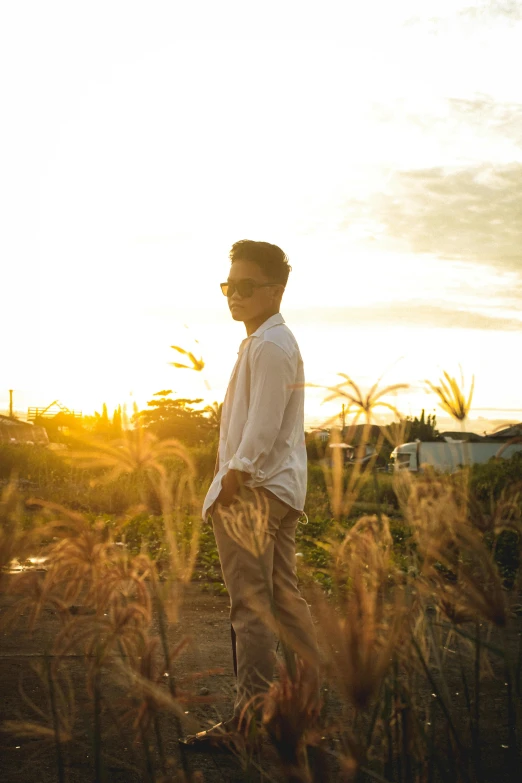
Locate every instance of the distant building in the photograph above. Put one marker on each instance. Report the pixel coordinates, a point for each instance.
(19, 432)
(493, 437)
(52, 411)
(514, 431)
(467, 437)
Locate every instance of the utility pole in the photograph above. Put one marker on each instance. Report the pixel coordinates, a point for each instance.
(11, 403)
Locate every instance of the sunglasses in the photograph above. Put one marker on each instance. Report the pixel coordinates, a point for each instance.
(245, 288)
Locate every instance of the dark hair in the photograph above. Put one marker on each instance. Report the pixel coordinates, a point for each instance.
(269, 258)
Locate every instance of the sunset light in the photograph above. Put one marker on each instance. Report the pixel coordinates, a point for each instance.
(261, 391)
(383, 154)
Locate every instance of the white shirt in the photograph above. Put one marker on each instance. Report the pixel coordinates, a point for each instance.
(262, 421)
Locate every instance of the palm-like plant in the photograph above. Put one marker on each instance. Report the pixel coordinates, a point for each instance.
(138, 451)
(452, 398)
(360, 403)
(142, 454)
(195, 364)
(396, 432)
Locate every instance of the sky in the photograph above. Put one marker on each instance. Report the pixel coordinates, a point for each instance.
(379, 144)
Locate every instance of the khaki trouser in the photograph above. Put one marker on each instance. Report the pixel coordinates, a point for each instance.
(262, 590)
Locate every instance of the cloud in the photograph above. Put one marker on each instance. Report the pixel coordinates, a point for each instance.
(504, 118)
(491, 9)
(406, 313)
(470, 214)
(454, 122)
(477, 13)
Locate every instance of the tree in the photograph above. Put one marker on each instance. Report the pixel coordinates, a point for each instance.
(406, 430)
(167, 417)
(103, 425)
(422, 428)
(117, 427)
(214, 412)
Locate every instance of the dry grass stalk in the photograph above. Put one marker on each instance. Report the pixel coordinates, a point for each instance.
(359, 405)
(451, 395)
(397, 432)
(246, 522)
(334, 474)
(362, 631)
(344, 486)
(147, 680)
(32, 595)
(86, 565)
(477, 587)
(290, 710)
(114, 616)
(17, 542)
(370, 622)
(362, 404)
(370, 541)
(433, 505)
(13, 542)
(503, 514)
(437, 507)
(56, 721)
(138, 451)
(182, 523)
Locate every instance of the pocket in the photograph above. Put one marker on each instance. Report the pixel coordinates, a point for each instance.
(277, 508)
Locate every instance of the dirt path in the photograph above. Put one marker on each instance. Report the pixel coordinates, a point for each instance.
(203, 622)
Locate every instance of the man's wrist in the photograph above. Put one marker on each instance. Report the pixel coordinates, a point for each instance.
(231, 485)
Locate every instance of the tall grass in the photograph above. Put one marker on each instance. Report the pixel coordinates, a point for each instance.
(119, 595)
(411, 609)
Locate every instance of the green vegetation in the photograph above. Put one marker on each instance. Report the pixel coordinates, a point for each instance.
(167, 417)
(491, 480)
(56, 477)
(414, 579)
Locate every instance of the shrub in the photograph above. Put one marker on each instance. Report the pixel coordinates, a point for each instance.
(489, 480)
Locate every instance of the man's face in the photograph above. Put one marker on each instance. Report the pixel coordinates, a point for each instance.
(262, 301)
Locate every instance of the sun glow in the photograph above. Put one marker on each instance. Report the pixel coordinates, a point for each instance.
(122, 201)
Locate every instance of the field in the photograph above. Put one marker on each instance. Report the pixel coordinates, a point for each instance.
(118, 641)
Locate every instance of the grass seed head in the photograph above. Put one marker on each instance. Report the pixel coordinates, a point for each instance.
(363, 627)
(289, 712)
(246, 522)
(452, 397)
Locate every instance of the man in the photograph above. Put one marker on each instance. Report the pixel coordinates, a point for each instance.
(261, 459)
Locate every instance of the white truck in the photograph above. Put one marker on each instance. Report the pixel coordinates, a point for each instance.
(448, 456)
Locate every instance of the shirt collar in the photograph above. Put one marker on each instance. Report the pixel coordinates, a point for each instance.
(274, 320)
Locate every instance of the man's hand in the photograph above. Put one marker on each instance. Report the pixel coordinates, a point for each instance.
(230, 487)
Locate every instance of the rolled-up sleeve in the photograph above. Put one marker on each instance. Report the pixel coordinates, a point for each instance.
(272, 375)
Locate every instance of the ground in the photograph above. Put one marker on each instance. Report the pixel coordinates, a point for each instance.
(204, 622)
